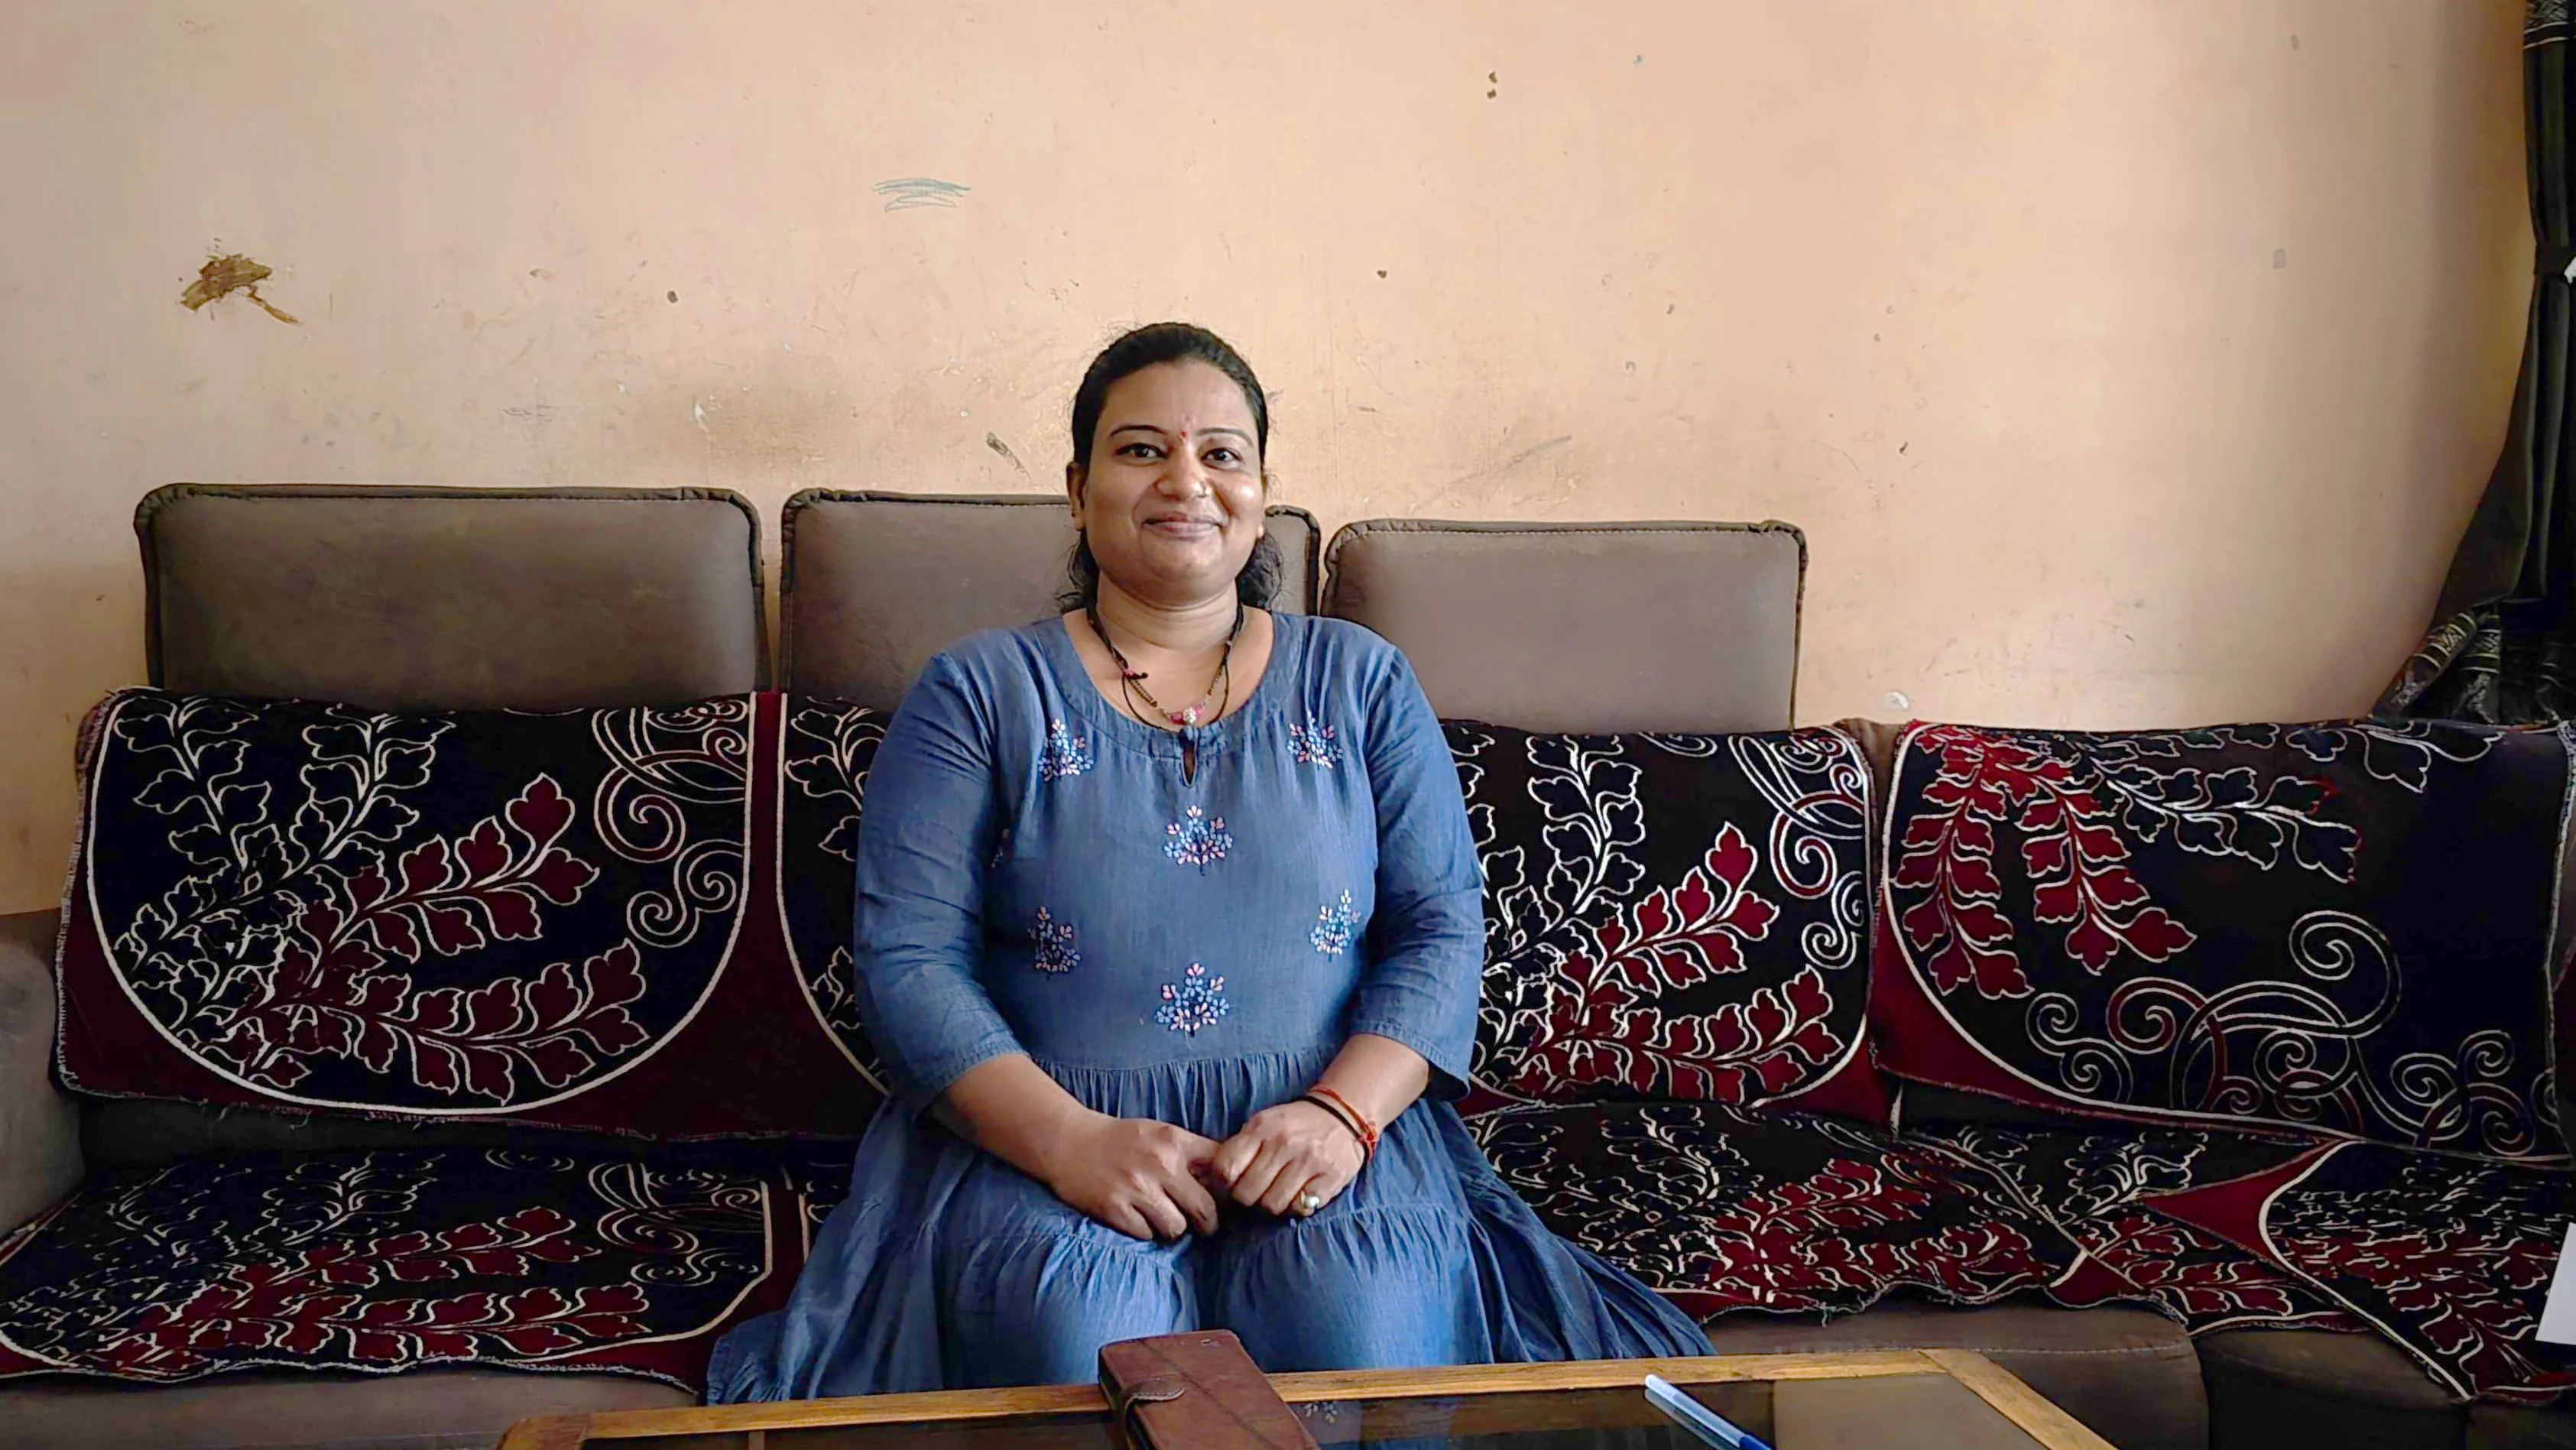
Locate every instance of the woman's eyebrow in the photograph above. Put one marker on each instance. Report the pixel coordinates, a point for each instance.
(1158, 431)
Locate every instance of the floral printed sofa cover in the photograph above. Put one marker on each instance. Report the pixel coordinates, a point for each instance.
(423, 1046)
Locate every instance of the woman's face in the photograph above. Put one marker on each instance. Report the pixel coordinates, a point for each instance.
(1171, 500)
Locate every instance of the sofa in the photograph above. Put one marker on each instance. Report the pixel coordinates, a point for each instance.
(641, 1167)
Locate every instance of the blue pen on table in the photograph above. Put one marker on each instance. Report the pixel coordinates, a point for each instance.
(1697, 1418)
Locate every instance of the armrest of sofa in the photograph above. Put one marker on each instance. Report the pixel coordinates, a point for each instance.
(40, 1158)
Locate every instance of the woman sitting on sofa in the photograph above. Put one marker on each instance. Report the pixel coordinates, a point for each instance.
(1169, 922)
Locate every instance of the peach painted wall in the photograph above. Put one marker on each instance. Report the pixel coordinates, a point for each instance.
(2126, 362)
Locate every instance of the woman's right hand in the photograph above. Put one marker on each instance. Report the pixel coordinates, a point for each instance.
(1138, 1176)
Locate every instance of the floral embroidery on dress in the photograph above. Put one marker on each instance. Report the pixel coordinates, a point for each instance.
(1196, 1001)
(1332, 934)
(1314, 745)
(1197, 839)
(1055, 948)
(1065, 753)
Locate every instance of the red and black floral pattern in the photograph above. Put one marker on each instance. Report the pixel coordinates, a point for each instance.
(2092, 1186)
(388, 1261)
(816, 1177)
(1724, 1210)
(823, 760)
(1671, 916)
(2445, 1257)
(538, 917)
(2455, 1258)
(2255, 924)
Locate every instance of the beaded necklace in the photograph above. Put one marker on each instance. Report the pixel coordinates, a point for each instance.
(1210, 706)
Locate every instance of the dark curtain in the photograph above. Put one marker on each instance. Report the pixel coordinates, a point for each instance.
(2502, 647)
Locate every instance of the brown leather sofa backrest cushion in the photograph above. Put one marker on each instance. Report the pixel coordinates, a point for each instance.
(874, 584)
(1687, 627)
(453, 598)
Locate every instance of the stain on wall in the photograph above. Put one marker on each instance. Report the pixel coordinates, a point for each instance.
(223, 275)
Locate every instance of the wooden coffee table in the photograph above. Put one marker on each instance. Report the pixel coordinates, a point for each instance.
(1947, 1397)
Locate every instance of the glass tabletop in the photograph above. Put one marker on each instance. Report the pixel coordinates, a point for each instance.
(1798, 1414)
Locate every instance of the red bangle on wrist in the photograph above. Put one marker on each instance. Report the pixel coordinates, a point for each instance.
(1343, 1118)
(1352, 1118)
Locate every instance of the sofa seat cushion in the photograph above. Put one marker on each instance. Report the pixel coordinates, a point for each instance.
(2448, 1259)
(1722, 1209)
(2512, 1427)
(1789, 1232)
(2096, 1183)
(2254, 926)
(394, 1260)
(2272, 1387)
(2441, 1261)
(143, 1133)
(431, 1409)
(2128, 1373)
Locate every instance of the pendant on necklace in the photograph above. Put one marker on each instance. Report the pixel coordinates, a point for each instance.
(1189, 716)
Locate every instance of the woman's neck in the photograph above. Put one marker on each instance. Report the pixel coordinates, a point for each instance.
(1183, 629)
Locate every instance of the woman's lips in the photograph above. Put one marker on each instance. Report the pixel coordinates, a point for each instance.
(1183, 528)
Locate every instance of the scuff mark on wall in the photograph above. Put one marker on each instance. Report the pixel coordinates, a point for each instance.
(226, 274)
(1467, 482)
(910, 191)
(1517, 459)
(994, 442)
(1844, 456)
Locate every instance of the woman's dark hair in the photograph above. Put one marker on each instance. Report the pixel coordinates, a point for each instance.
(1151, 346)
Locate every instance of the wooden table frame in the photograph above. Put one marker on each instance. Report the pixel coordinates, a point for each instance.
(2015, 1401)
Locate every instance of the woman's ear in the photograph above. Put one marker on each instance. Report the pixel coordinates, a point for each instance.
(1073, 481)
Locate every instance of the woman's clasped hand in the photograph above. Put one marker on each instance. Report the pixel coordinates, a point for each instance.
(1152, 1180)
(1289, 1159)
(1136, 1175)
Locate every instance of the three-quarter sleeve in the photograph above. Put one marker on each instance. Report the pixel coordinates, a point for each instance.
(927, 827)
(1427, 938)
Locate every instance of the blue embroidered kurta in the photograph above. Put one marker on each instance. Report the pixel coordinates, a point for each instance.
(1036, 876)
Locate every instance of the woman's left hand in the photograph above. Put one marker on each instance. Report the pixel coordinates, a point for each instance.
(1285, 1152)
